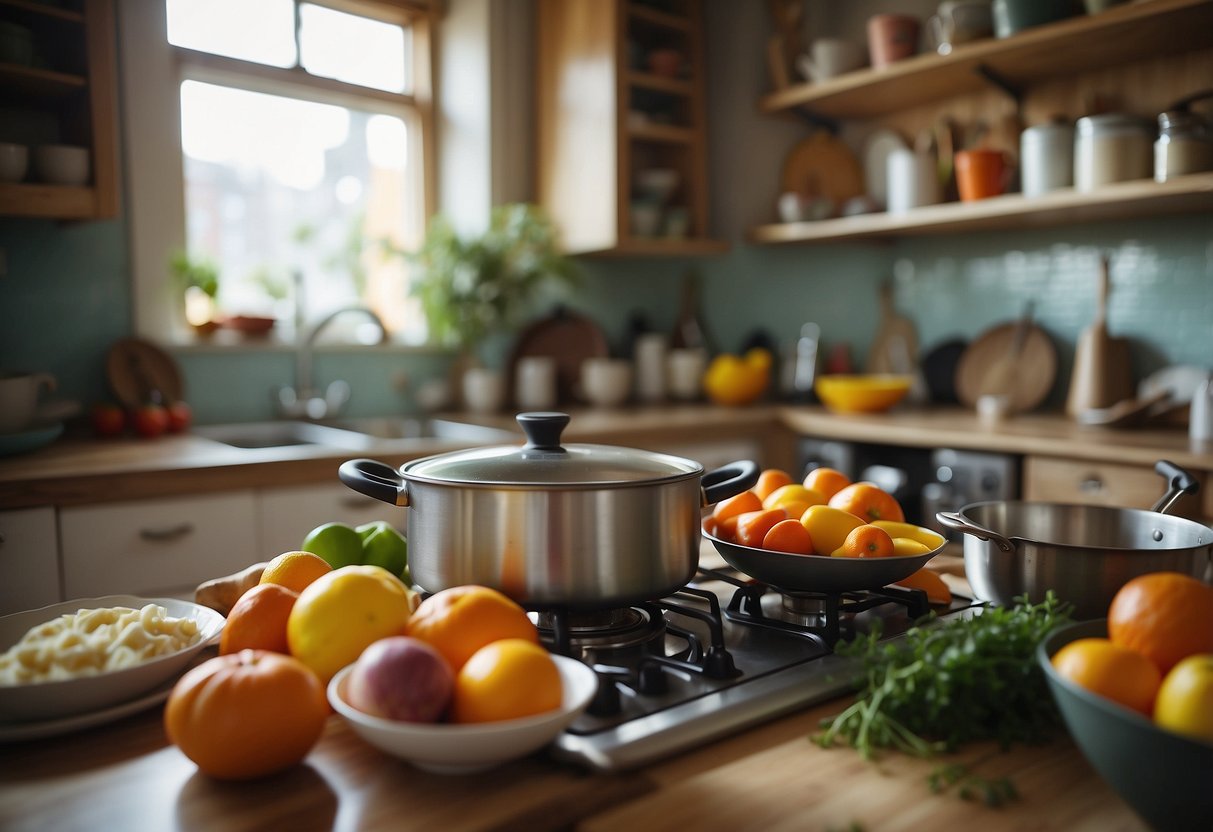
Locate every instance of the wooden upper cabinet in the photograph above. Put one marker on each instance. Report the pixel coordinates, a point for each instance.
(622, 134)
(63, 91)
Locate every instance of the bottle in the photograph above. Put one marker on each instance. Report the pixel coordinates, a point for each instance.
(689, 331)
(1200, 417)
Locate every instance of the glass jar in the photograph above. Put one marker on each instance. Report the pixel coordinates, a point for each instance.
(1184, 145)
(1113, 147)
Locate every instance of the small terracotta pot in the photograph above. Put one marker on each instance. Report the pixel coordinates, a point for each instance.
(981, 173)
(892, 37)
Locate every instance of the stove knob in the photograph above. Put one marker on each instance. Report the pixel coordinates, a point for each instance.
(651, 679)
(606, 701)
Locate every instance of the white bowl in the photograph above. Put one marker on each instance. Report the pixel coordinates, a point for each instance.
(61, 164)
(446, 748)
(52, 700)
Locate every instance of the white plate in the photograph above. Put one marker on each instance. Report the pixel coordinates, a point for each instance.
(444, 748)
(42, 701)
(876, 162)
(39, 729)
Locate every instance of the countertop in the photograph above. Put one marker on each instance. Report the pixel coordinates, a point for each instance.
(79, 469)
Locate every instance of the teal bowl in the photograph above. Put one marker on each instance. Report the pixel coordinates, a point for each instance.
(1166, 778)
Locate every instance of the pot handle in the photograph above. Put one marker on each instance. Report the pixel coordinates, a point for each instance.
(728, 480)
(375, 479)
(1179, 482)
(957, 522)
(543, 429)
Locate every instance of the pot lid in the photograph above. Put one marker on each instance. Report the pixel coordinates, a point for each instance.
(543, 461)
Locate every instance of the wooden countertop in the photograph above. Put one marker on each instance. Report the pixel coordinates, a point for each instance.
(78, 470)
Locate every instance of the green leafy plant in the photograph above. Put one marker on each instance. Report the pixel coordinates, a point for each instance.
(191, 272)
(472, 287)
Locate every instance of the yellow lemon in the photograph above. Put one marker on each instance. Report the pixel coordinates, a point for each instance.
(828, 527)
(340, 613)
(904, 546)
(928, 538)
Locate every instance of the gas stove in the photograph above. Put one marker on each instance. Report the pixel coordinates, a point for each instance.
(723, 653)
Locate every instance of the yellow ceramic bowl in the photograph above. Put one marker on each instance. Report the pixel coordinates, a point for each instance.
(861, 393)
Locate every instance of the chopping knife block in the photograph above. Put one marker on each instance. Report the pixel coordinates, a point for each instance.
(895, 348)
(1102, 374)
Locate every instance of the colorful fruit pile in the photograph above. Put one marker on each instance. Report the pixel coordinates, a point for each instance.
(1158, 656)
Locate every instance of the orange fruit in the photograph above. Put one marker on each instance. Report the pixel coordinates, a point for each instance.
(460, 620)
(769, 480)
(295, 570)
(753, 526)
(1185, 700)
(1165, 616)
(735, 505)
(828, 527)
(726, 529)
(506, 679)
(257, 620)
(826, 481)
(868, 501)
(929, 582)
(794, 499)
(342, 612)
(866, 541)
(1110, 670)
(788, 536)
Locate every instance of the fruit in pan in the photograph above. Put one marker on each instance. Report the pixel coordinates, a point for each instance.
(506, 679)
(828, 527)
(460, 620)
(247, 714)
(735, 505)
(826, 481)
(788, 536)
(1110, 670)
(928, 538)
(753, 526)
(339, 544)
(401, 678)
(794, 498)
(1185, 698)
(769, 480)
(866, 541)
(905, 547)
(863, 499)
(1165, 616)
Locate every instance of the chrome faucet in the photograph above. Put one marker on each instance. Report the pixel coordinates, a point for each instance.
(305, 401)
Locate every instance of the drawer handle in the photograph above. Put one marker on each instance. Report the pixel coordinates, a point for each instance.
(167, 532)
(1092, 484)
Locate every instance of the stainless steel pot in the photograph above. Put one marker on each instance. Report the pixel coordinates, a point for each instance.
(551, 524)
(1083, 553)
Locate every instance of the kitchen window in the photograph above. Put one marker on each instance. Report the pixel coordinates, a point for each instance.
(286, 142)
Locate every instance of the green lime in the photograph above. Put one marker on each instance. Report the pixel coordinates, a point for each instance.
(337, 543)
(383, 546)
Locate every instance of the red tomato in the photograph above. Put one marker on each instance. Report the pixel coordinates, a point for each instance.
(107, 419)
(179, 416)
(150, 421)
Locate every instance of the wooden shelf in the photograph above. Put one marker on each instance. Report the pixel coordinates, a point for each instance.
(660, 83)
(658, 18)
(1123, 200)
(24, 80)
(30, 10)
(1119, 35)
(663, 247)
(48, 201)
(661, 133)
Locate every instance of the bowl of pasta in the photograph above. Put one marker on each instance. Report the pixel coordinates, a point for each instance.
(92, 653)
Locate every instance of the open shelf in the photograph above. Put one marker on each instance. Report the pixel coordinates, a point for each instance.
(1119, 35)
(1123, 200)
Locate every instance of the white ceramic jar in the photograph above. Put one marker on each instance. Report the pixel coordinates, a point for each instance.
(1184, 145)
(1046, 158)
(1112, 147)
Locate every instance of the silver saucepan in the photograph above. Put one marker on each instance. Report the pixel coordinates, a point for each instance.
(552, 524)
(1083, 553)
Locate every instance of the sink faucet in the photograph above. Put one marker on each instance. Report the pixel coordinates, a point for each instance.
(305, 401)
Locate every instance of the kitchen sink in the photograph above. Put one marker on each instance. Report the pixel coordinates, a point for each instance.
(280, 434)
(393, 428)
(355, 434)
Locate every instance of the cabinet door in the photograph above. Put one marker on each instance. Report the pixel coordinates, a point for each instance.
(286, 515)
(29, 560)
(157, 547)
(1058, 480)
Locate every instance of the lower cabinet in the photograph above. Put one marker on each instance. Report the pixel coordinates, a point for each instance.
(1063, 480)
(29, 559)
(286, 515)
(156, 547)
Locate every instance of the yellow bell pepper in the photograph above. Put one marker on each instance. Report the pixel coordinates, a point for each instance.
(733, 380)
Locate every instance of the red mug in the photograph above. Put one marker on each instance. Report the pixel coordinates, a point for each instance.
(980, 173)
(891, 37)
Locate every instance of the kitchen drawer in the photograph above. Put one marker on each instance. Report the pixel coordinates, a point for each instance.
(156, 547)
(1059, 480)
(29, 560)
(286, 515)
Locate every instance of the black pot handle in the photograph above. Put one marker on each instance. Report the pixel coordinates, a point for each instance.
(727, 480)
(1179, 482)
(543, 430)
(375, 479)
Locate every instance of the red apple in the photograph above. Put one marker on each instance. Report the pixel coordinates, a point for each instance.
(150, 420)
(179, 416)
(401, 678)
(107, 419)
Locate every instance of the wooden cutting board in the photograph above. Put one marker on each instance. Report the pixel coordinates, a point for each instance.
(895, 348)
(1102, 374)
(1037, 366)
(140, 373)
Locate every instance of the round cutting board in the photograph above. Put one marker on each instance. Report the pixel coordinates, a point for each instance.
(822, 165)
(140, 373)
(1035, 371)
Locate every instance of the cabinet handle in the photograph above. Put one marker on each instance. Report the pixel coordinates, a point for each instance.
(164, 533)
(1091, 484)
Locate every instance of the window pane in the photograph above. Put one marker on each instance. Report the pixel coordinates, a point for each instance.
(279, 187)
(353, 49)
(261, 31)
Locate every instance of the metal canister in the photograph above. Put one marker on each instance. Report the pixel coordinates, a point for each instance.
(1046, 157)
(1184, 144)
(1112, 147)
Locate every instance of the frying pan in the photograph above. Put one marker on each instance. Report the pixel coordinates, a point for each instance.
(818, 573)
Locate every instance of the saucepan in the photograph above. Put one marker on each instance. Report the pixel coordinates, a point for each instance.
(819, 573)
(1083, 553)
(551, 524)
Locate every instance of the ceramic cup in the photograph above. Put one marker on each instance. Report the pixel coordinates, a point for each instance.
(912, 179)
(606, 382)
(1011, 16)
(830, 57)
(14, 161)
(535, 383)
(19, 393)
(980, 173)
(891, 38)
(483, 390)
(684, 372)
(61, 164)
(959, 21)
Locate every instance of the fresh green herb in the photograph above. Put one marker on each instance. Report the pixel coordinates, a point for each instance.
(993, 792)
(947, 683)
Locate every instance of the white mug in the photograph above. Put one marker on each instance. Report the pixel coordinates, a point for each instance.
(483, 390)
(830, 57)
(685, 368)
(19, 398)
(912, 180)
(535, 383)
(606, 382)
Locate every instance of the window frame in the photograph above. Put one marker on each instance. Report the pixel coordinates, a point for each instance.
(152, 70)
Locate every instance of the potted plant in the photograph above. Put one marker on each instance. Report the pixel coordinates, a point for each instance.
(197, 280)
